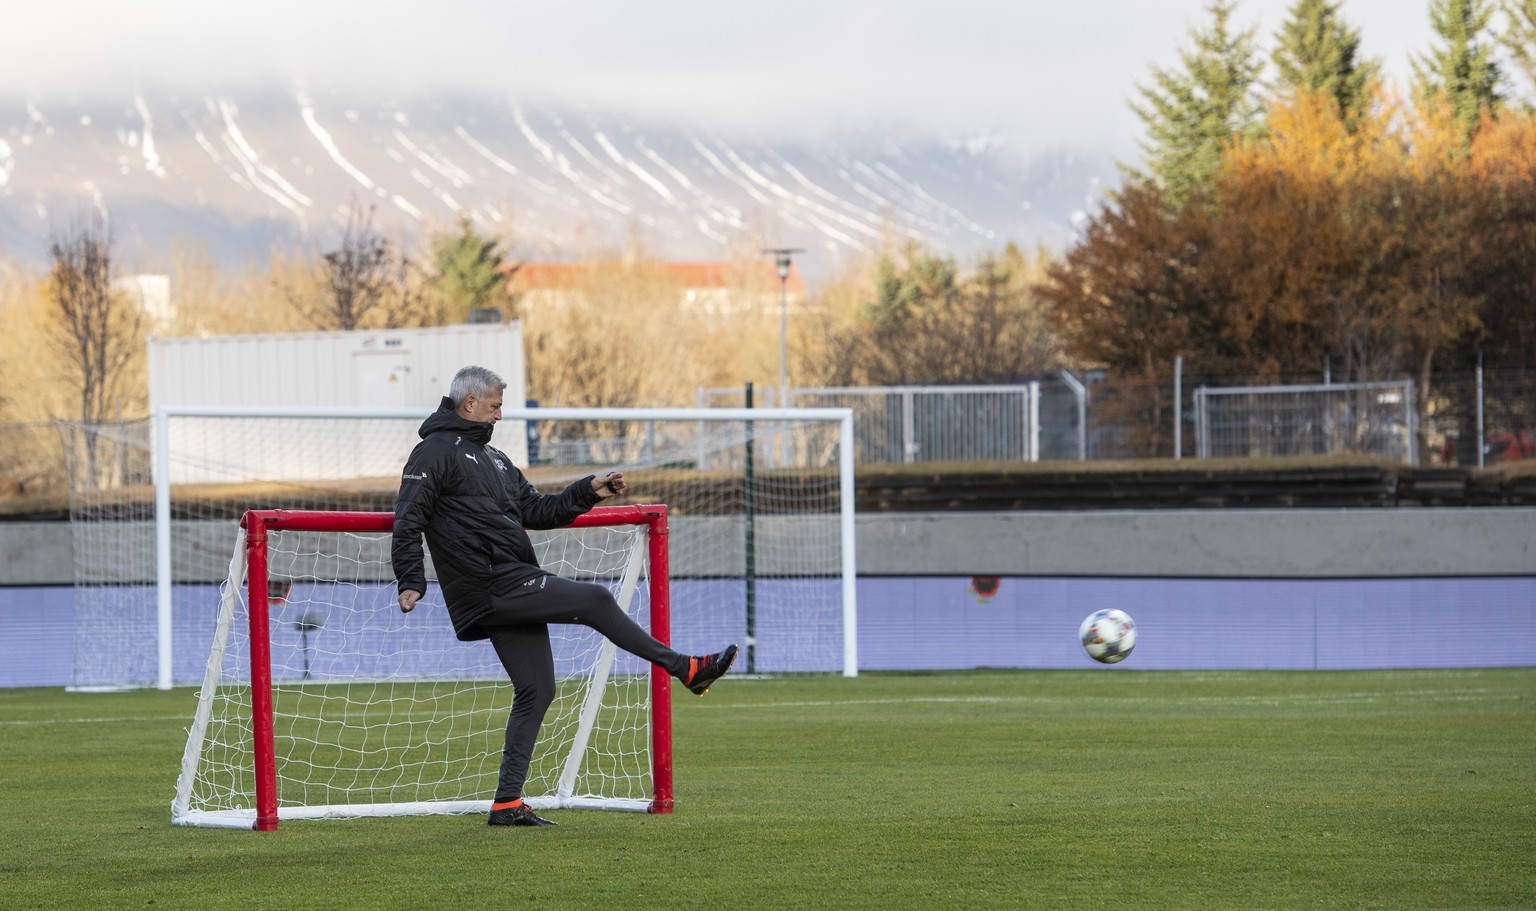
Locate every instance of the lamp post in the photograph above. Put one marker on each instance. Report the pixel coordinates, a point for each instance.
(783, 257)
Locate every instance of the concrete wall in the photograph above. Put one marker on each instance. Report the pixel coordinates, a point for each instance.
(36, 553)
(1216, 544)
(1288, 543)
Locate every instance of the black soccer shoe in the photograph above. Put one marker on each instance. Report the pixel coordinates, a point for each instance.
(706, 669)
(518, 814)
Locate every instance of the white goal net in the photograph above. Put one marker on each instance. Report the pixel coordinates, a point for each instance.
(760, 505)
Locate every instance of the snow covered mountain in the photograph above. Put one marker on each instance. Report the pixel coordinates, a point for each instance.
(242, 174)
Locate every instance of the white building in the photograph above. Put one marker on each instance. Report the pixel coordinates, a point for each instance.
(368, 369)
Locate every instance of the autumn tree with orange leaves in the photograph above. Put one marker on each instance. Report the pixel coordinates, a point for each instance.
(1381, 242)
(1502, 163)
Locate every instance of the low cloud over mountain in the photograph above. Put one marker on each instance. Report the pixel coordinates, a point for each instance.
(244, 172)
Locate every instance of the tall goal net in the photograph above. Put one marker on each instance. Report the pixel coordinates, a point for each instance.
(321, 699)
(760, 506)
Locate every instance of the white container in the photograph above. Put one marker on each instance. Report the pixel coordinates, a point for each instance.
(378, 369)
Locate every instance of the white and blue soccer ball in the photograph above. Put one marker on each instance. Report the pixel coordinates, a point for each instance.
(1108, 635)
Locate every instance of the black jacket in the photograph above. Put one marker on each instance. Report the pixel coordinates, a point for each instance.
(475, 507)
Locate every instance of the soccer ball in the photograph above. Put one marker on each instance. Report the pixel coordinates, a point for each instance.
(1108, 635)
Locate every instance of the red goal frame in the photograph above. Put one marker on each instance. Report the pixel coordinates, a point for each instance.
(258, 523)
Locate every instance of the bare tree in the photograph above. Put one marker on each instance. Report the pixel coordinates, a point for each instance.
(362, 282)
(99, 331)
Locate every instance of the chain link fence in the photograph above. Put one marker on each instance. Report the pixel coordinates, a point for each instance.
(1377, 419)
(1481, 419)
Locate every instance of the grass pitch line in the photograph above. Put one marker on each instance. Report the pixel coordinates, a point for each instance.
(1362, 698)
(23, 722)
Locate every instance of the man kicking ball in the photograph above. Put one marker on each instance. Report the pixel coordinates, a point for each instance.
(475, 508)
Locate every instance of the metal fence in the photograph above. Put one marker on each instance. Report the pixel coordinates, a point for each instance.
(1481, 418)
(938, 424)
(1376, 419)
(1462, 419)
(1025, 422)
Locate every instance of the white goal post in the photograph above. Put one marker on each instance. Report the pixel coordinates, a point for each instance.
(321, 699)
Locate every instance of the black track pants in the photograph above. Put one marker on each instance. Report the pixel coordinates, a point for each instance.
(519, 631)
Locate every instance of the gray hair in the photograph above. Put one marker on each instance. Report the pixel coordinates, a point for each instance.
(473, 381)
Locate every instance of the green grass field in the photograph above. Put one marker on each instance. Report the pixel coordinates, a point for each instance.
(1081, 789)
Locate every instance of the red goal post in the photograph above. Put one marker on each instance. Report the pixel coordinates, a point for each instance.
(259, 527)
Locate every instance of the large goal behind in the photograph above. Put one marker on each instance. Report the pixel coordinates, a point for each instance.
(760, 504)
(321, 699)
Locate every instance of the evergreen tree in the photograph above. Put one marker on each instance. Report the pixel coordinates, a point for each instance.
(1462, 73)
(1519, 41)
(468, 272)
(1194, 111)
(1317, 51)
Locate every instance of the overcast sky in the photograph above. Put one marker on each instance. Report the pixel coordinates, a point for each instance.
(1045, 75)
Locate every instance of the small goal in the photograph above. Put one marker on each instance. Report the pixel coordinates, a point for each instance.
(322, 700)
